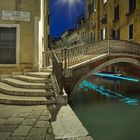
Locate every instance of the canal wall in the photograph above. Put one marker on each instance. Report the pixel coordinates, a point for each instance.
(68, 126)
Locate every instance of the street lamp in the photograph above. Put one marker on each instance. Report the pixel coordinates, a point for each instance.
(69, 1)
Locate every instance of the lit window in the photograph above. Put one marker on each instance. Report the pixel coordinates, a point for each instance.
(92, 7)
(130, 31)
(104, 1)
(103, 33)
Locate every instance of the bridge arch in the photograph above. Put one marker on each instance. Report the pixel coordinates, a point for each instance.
(89, 72)
(117, 60)
(75, 62)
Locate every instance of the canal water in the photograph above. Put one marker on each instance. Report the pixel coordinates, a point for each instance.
(108, 107)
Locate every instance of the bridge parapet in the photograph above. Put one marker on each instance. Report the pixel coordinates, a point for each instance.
(124, 47)
(74, 55)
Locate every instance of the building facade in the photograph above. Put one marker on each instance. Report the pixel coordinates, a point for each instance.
(78, 36)
(24, 29)
(114, 19)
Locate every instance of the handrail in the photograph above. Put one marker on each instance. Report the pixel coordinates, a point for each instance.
(57, 70)
(76, 54)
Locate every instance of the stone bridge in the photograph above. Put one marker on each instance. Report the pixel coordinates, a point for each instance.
(72, 64)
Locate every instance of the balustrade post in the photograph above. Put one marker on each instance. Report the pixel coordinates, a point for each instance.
(65, 57)
(62, 56)
(108, 45)
(68, 57)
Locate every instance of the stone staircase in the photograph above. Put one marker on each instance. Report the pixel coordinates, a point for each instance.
(32, 88)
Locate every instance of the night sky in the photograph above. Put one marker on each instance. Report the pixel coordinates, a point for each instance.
(63, 15)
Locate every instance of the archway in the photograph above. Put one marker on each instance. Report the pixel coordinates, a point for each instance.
(107, 63)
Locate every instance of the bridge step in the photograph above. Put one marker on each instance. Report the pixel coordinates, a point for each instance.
(47, 70)
(38, 74)
(31, 79)
(11, 90)
(23, 84)
(20, 100)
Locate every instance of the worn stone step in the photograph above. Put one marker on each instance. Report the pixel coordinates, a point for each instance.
(31, 79)
(10, 90)
(19, 100)
(47, 70)
(23, 84)
(38, 74)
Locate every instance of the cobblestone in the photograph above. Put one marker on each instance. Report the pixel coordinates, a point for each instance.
(22, 131)
(37, 134)
(13, 121)
(24, 123)
(4, 135)
(28, 122)
(7, 128)
(42, 124)
(16, 138)
(33, 123)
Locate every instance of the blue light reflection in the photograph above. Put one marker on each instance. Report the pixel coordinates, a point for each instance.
(106, 92)
(116, 77)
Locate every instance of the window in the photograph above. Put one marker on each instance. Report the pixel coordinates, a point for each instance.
(94, 5)
(116, 12)
(104, 1)
(48, 19)
(132, 5)
(91, 7)
(130, 31)
(103, 33)
(116, 34)
(93, 39)
(7, 45)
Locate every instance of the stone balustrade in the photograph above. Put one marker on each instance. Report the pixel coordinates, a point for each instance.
(74, 55)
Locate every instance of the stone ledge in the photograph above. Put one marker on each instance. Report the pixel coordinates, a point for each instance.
(68, 126)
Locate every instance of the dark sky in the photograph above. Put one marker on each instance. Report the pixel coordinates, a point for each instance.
(63, 15)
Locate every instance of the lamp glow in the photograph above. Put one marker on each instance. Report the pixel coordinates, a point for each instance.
(71, 1)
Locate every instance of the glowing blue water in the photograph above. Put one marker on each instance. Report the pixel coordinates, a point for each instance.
(116, 77)
(86, 85)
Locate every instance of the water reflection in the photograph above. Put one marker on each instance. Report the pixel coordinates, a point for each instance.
(109, 108)
(85, 85)
(120, 77)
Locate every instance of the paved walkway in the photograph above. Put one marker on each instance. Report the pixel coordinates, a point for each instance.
(25, 123)
(33, 123)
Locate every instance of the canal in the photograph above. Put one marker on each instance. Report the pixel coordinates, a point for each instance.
(109, 107)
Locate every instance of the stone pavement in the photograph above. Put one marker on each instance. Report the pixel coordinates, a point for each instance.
(25, 123)
(33, 123)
